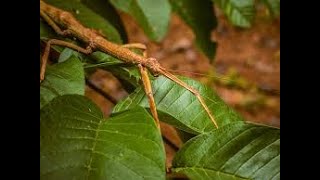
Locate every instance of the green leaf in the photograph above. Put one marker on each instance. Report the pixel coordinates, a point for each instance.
(77, 143)
(177, 106)
(239, 12)
(199, 15)
(273, 7)
(153, 16)
(66, 53)
(235, 151)
(106, 10)
(88, 17)
(62, 78)
(128, 74)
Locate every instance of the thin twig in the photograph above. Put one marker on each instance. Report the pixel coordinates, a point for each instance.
(101, 92)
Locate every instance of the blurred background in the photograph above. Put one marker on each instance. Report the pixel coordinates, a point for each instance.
(245, 71)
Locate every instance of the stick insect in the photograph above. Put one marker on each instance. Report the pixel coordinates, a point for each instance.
(58, 19)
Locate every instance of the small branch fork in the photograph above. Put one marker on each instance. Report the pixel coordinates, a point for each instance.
(57, 18)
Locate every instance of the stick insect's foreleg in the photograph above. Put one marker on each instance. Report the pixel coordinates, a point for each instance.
(54, 26)
(148, 90)
(45, 55)
(193, 91)
(146, 81)
(57, 29)
(147, 87)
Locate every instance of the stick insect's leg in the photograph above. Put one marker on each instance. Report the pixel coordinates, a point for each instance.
(148, 90)
(45, 56)
(146, 81)
(193, 91)
(137, 46)
(55, 27)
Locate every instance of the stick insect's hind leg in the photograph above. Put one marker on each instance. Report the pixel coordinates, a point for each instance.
(146, 81)
(193, 91)
(51, 42)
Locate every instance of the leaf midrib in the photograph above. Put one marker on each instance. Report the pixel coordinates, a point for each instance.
(93, 149)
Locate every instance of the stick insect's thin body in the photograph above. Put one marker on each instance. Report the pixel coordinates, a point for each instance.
(95, 40)
(76, 29)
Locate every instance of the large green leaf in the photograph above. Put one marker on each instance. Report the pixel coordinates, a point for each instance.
(77, 143)
(153, 16)
(177, 106)
(62, 78)
(106, 10)
(199, 15)
(273, 7)
(239, 12)
(88, 17)
(235, 151)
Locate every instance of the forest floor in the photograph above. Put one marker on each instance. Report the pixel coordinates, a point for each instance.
(251, 57)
